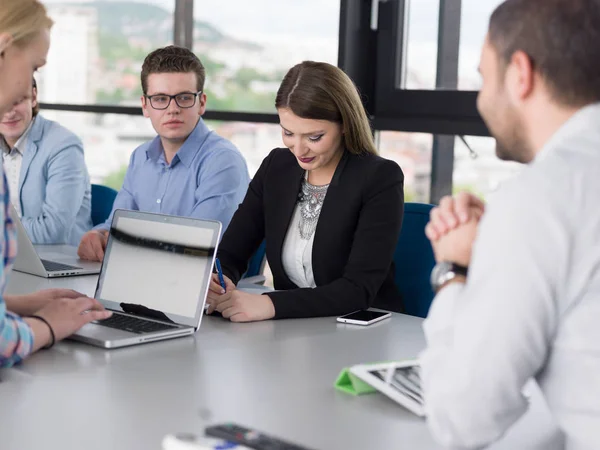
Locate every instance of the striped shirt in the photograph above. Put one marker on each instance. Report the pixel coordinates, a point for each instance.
(16, 337)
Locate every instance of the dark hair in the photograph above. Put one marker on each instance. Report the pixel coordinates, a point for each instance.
(562, 39)
(320, 91)
(36, 108)
(172, 59)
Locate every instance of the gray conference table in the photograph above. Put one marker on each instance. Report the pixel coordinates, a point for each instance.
(276, 376)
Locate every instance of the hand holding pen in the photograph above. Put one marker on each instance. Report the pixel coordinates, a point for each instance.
(220, 288)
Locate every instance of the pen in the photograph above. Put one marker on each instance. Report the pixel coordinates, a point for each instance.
(220, 273)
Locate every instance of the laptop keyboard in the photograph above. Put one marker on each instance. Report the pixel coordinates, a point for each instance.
(133, 324)
(52, 266)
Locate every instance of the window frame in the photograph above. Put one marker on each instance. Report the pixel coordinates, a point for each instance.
(365, 46)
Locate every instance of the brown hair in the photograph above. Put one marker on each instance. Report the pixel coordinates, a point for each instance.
(561, 37)
(23, 20)
(172, 59)
(320, 91)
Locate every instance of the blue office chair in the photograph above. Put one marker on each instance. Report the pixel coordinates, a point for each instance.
(256, 265)
(257, 262)
(103, 198)
(414, 260)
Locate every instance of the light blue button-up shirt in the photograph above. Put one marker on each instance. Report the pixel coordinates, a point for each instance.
(207, 179)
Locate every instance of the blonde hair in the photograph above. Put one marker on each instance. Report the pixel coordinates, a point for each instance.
(23, 19)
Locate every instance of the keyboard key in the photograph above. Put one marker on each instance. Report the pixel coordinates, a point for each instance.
(133, 324)
(52, 266)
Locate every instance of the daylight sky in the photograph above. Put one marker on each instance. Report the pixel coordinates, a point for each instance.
(316, 22)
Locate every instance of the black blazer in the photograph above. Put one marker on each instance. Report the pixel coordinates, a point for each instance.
(354, 242)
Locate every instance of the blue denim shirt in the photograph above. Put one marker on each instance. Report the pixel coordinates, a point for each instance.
(207, 179)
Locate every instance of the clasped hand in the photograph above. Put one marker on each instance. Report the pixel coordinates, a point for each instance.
(452, 228)
(236, 305)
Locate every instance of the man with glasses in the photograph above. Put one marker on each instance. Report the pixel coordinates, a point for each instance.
(187, 170)
(46, 173)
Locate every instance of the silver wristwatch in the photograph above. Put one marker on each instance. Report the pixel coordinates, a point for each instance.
(445, 271)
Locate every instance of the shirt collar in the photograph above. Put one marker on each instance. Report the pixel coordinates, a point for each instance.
(188, 150)
(580, 123)
(21, 144)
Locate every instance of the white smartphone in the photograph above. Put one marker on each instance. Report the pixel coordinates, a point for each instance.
(364, 317)
(185, 441)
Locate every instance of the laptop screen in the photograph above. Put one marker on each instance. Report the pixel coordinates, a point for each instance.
(158, 266)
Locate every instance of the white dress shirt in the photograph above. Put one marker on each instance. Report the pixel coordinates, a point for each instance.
(531, 305)
(13, 159)
(296, 256)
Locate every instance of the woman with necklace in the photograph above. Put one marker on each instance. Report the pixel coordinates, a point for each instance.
(329, 208)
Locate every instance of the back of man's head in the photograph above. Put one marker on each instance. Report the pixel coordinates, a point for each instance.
(172, 59)
(562, 39)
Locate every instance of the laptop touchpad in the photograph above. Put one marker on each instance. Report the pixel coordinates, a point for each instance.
(95, 331)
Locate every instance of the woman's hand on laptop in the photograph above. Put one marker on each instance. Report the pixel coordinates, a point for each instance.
(92, 245)
(216, 294)
(26, 305)
(67, 315)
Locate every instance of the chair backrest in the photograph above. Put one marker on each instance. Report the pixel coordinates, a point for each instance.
(257, 262)
(103, 198)
(414, 260)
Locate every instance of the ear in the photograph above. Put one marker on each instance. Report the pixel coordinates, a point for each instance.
(521, 76)
(144, 101)
(34, 98)
(202, 100)
(6, 41)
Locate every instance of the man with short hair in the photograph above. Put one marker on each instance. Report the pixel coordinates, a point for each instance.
(48, 180)
(529, 304)
(187, 170)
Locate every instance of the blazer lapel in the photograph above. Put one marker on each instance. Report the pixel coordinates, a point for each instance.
(335, 194)
(35, 135)
(286, 198)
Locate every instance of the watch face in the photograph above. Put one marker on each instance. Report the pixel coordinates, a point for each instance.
(441, 273)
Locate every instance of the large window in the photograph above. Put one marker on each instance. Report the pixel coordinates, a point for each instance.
(478, 170)
(95, 58)
(474, 24)
(248, 46)
(254, 140)
(422, 34)
(414, 62)
(412, 152)
(421, 49)
(98, 48)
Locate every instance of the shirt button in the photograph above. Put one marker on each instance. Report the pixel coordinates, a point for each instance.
(158, 201)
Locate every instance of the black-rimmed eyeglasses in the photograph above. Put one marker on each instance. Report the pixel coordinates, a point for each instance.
(183, 100)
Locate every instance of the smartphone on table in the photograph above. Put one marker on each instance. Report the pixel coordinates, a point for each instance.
(364, 317)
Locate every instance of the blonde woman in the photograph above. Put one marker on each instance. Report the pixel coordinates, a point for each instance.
(29, 322)
(329, 208)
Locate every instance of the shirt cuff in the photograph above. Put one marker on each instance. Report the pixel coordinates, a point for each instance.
(102, 227)
(441, 314)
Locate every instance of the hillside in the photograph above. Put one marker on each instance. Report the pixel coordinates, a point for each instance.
(147, 22)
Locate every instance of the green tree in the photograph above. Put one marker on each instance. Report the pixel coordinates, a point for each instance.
(246, 75)
(111, 98)
(115, 179)
(409, 195)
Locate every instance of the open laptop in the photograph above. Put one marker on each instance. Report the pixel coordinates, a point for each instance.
(155, 278)
(48, 261)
